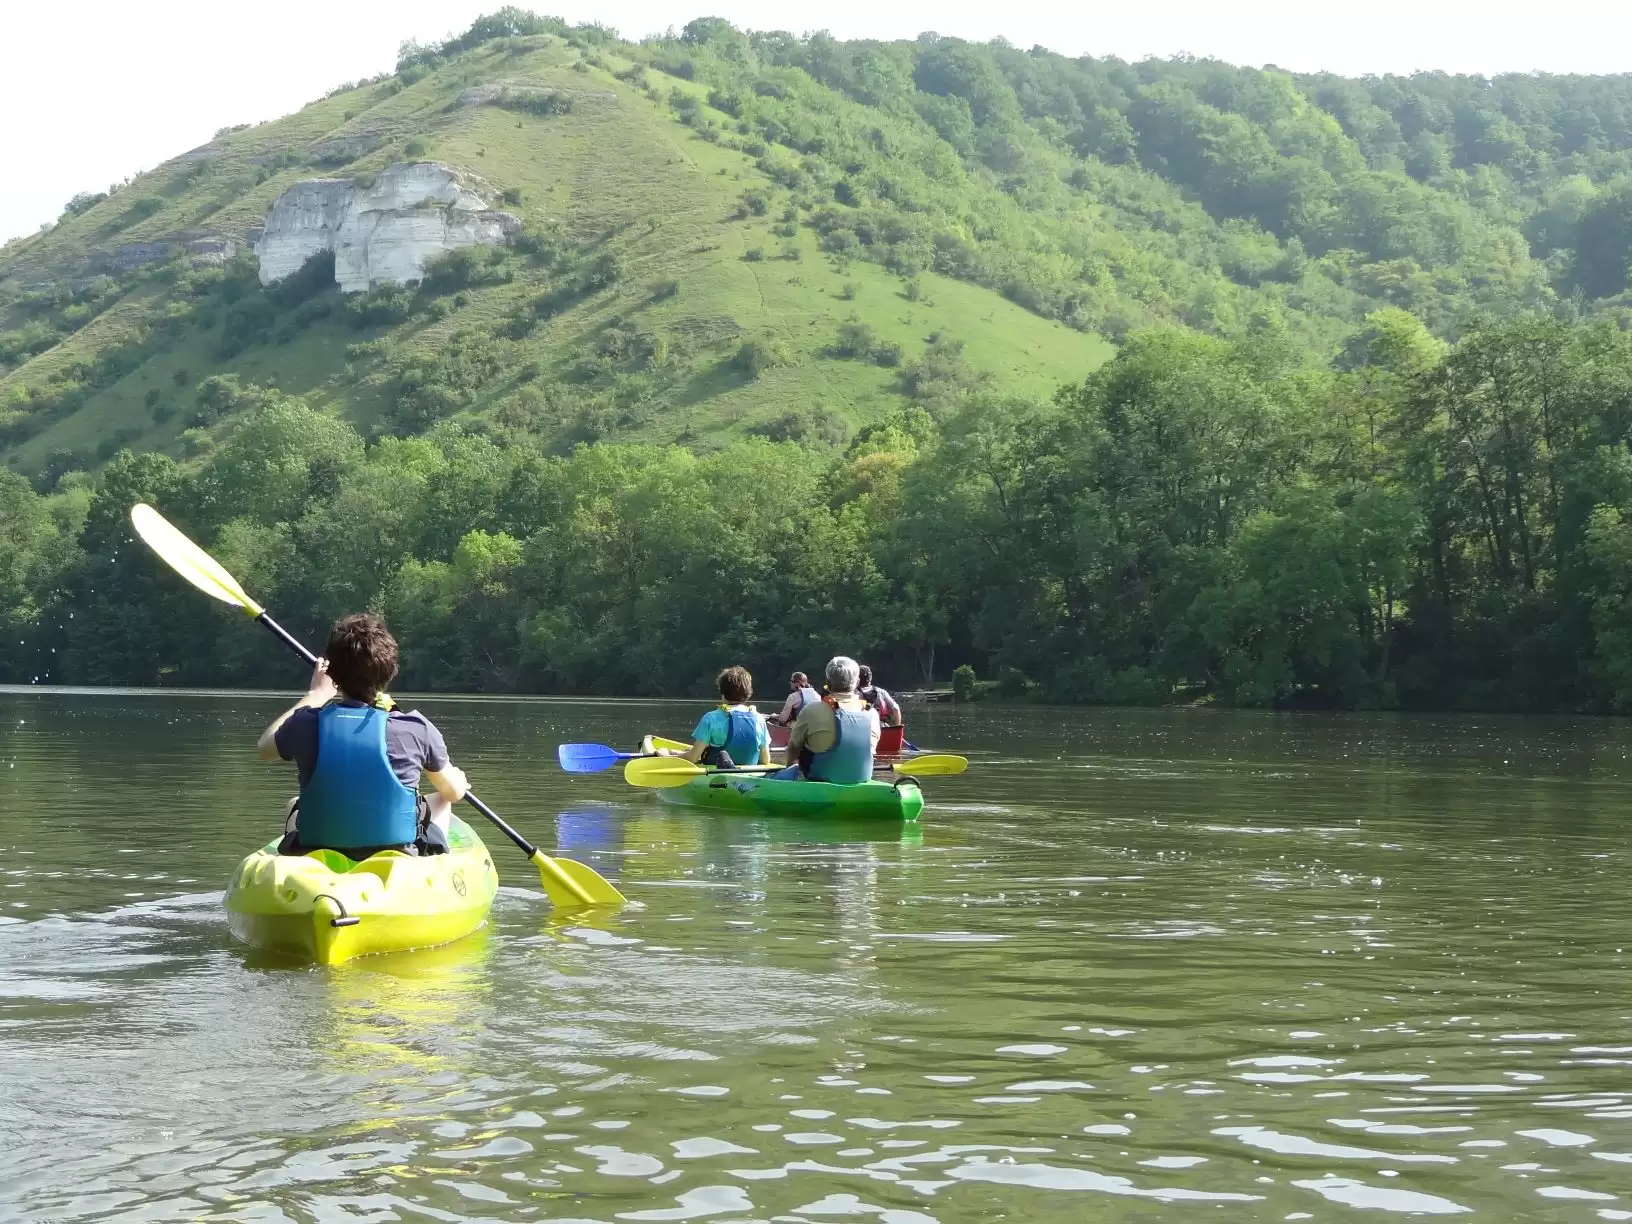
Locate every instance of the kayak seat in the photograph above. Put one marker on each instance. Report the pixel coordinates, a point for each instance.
(380, 864)
(332, 859)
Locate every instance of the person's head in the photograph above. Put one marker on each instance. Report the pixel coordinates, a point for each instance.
(736, 685)
(799, 680)
(864, 676)
(841, 674)
(362, 656)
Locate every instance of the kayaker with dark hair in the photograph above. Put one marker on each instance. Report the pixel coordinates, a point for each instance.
(889, 709)
(734, 734)
(834, 739)
(800, 696)
(359, 758)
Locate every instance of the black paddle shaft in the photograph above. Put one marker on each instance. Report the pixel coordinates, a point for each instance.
(289, 640)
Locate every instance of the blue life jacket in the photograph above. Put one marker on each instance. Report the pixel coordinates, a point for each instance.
(806, 696)
(354, 800)
(851, 757)
(742, 738)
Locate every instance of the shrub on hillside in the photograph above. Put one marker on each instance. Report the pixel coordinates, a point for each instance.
(462, 268)
(542, 103)
(311, 278)
(807, 426)
(382, 306)
(247, 323)
(756, 356)
(83, 203)
(675, 65)
(855, 340)
(142, 208)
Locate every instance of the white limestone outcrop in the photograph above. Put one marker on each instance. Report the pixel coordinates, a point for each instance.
(382, 233)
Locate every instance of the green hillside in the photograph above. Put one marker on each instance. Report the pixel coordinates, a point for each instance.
(686, 273)
(781, 187)
(1124, 382)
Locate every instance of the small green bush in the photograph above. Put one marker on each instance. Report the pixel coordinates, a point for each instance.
(756, 356)
(855, 340)
(415, 147)
(963, 683)
(542, 103)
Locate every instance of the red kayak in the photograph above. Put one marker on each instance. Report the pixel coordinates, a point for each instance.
(890, 740)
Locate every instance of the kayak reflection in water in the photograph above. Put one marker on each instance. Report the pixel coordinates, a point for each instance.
(834, 739)
(359, 758)
(734, 734)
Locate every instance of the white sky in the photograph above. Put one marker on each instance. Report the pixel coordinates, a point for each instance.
(94, 90)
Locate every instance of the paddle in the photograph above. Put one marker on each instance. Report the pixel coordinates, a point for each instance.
(566, 882)
(592, 758)
(672, 771)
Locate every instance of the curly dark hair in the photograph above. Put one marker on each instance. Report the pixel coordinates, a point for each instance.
(736, 685)
(362, 656)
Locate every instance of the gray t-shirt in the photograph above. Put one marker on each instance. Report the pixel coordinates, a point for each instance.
(412, 744)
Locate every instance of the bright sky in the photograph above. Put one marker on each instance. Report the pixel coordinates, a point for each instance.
(95, 90)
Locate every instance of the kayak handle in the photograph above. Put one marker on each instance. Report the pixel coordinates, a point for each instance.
(345, 919)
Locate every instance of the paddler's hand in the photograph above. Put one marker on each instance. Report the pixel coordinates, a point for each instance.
(321, 690)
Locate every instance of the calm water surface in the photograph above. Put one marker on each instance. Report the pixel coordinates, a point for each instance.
(1132, 966)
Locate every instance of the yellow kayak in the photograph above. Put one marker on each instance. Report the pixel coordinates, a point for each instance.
(327, 908)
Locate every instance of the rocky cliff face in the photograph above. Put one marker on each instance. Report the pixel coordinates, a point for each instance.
(381, 233)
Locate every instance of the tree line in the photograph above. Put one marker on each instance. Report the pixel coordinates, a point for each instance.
(1414, 525)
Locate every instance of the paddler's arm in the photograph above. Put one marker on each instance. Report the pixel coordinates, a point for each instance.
(449, 781)
(319, 693)
(797, 734)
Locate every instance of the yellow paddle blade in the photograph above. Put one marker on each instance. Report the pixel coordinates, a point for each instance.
(931, 765)
(660, 771)
(671, 771)
(672, 745)
(188, 559)
(569, 883)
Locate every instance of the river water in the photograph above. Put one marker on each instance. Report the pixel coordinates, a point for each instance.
(1134, 965)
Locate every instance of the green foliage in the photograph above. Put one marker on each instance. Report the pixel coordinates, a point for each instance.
(811, 426)
(1363, 445)
(963, 682)
(1418, 525)
(83, 203)
(540, 102)
(757, 355)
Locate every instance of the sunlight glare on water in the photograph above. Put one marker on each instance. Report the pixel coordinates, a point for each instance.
(1134, 965)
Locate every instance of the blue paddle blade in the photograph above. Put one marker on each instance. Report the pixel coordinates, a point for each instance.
(587, 758)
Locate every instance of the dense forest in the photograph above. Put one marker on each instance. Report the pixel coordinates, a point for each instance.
(1418, 525)
(1365, 438)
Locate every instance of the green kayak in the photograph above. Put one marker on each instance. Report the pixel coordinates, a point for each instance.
(761, 796)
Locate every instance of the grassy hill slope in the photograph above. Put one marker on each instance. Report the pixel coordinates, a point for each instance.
(689, 275)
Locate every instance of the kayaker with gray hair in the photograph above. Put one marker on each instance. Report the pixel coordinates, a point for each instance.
(359, 758)
(834, 739)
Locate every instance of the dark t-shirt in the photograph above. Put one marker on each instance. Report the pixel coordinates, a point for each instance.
(412, 744)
